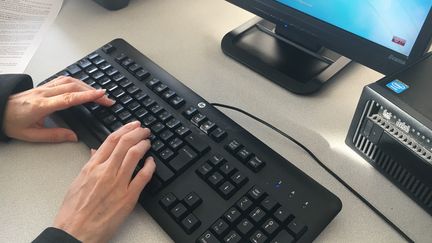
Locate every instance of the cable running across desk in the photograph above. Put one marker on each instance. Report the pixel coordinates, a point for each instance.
(345, 184)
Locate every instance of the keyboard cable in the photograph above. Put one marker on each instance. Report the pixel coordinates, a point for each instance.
(345, 184)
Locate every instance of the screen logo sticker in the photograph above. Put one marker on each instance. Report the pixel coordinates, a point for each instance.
(397, 86)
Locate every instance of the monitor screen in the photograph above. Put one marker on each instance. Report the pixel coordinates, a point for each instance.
(394, 24)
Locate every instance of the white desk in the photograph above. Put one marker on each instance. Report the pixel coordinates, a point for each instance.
(184, 38)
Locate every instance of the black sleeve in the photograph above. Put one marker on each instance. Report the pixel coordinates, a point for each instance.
(54, 235)
(10, 84)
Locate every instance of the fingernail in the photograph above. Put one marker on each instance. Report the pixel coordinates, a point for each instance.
(72, 138)
(101, 91)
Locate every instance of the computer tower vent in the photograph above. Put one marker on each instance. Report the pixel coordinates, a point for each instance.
(388, 165)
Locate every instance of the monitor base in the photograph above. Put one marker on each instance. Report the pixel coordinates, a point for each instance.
(258, 45)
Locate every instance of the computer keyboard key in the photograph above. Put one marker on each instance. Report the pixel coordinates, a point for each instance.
(270, 226)
(140, 113)
(208, 126)
(164, 173)
(232, 215)
(176, 144)
(192, 200)
(125, 99)
(140, 95)
(148, 102)
(166, 154)
(185, 157)
(168, 94)
(182, 131)
(257, 215)
(283, 237)
(157, 128)
(152, 82)
(134, 67)
(233, 146)
(104, 66)
(177, 102)
(239, 179)
(111, 87)
(84, 63)
(164, 115)
(245, 227)
(109, 119)
(218, 134)
(256, 164)
(207, 237)
(91, 69)
(142, 74)
(282, 215)
(190, 223)
(204, 170)
(232, 237)
(120, 57)
(124, 83)
(118, 77)
(115, 126)
(173, 123)
(132, 89)
(197, 143)
(73, 69)
(198, 119)
(108, 48)
(98, 60)
(134, 105)
(157, 145)
(148, 120)
(256, 193)
(160, 88)
(217, 160)
(244, 204)
(227, 190)
(168, 201)
(190, 112)
(296, 228)
(269, 204)
(166, 135)
(127, 62)
(93, 56)
(215, 179)
(243, 154)
(258, 237)
(124, 115)
(227, 169)
(156, 109)
(220, 227)
(178, 211)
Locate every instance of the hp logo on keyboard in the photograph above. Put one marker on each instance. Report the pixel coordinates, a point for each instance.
(202, 105)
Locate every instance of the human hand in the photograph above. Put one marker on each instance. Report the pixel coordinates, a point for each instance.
(103, 195)
(26, 111)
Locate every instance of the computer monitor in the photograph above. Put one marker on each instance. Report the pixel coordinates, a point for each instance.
(301, 44)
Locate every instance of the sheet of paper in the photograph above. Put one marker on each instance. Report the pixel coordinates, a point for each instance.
(23, 24)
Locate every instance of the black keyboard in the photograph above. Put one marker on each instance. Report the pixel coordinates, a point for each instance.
(214, 181)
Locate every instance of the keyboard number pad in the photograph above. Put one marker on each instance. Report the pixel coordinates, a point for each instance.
(222, 176)
(255, 217)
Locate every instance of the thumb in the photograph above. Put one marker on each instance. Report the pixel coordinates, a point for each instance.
(51, 135)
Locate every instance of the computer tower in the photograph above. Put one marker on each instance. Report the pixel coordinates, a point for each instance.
(392, 129)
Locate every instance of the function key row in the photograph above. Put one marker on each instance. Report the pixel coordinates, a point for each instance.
(204, 124)
(255, 218)
(165, 93)
(245, 156)
(182, 210)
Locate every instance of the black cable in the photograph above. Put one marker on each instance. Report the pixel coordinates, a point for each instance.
(346, 185)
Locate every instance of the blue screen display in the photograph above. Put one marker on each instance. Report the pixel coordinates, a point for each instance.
(394, 24)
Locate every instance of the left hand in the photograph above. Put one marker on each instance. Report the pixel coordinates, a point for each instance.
(26, 111)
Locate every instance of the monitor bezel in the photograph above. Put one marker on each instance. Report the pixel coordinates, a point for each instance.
(366, 52)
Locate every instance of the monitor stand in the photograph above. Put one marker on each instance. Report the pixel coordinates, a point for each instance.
(275, 53)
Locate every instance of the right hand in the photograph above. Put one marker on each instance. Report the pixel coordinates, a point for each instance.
(103, 194)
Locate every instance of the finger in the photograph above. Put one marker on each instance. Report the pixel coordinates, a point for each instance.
(107, 147)
(92, 152)
(126, 142)
(142, 177)
(50, 135)
(57, 81)
(133, 156)
(67, 100)
(76, 86)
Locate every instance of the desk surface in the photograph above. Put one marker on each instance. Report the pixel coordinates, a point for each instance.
(184, 38)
